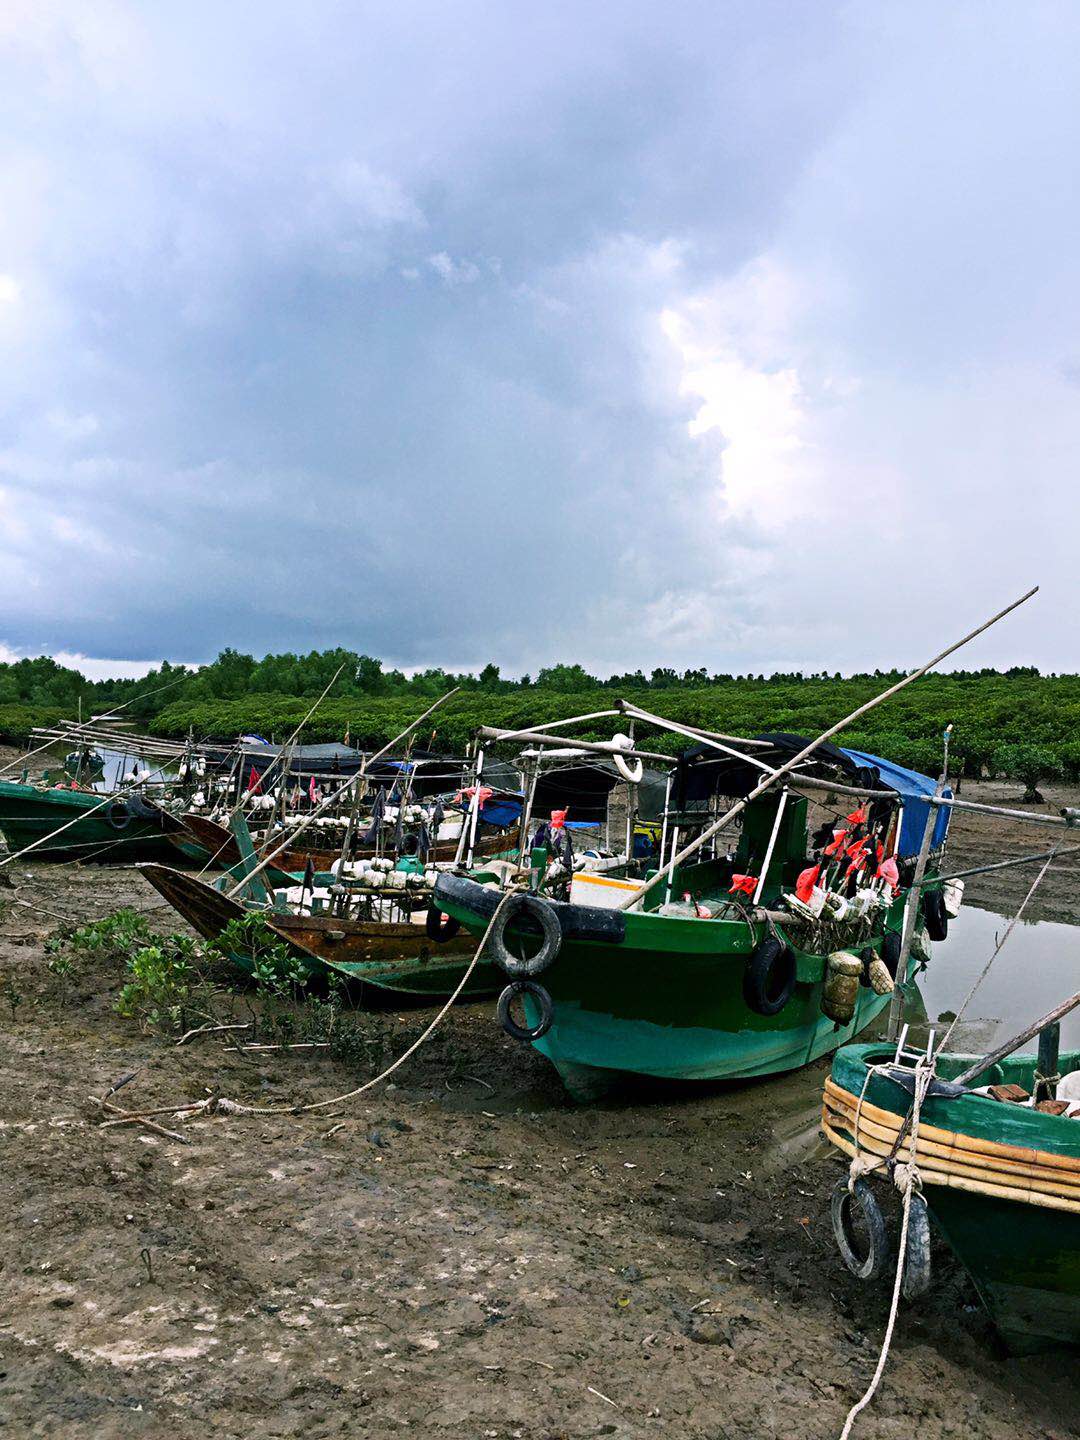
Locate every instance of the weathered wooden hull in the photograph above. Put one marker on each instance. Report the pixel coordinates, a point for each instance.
(646, 994)
(1002, 1182)
(394, 957)
(74, 825)
(219, 843)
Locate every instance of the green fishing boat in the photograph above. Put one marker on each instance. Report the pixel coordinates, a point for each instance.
(1001, 1180)
(72, 824)
(715, 985)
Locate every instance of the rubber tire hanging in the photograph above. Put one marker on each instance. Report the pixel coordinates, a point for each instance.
(770, 977)
(542, 999)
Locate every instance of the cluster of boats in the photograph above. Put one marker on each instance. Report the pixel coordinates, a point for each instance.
(737, 908)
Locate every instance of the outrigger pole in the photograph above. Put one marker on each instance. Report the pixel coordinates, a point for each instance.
(331, 799)
(789, 765)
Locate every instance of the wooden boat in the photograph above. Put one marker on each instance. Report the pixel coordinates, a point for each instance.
(674, 996)
(127, 828)
(217, 842)
(393, 956)
(1001, 1180)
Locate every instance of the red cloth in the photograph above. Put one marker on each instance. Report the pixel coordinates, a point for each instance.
(558, 818)
(804, 886)
(857, 817)
(743, 884)
(254, 783)
(889, 871)
(485, 794)
(312, 796)
(837, 845)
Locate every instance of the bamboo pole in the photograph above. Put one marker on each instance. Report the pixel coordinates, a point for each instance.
(565, 742)
(331, 799)
(1002, 865)
(911, 907)
(685, 730)
(808, 750)
(557, 724)
(1028, 1033)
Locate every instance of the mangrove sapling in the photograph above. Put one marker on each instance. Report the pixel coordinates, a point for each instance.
(12, 995)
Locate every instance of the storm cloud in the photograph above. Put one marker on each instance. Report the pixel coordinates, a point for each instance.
(736, 335)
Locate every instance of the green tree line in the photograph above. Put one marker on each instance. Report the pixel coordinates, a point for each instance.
(1016, 723)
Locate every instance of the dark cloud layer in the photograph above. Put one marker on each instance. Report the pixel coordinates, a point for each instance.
(389, 327)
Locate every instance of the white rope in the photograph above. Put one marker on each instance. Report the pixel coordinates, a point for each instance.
(233, 1107)
(908, 1180)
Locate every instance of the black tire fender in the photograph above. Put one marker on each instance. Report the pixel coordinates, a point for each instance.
(935, 914)
(118, 815)
(770, 976)
(917, 1254)
(440, 927)
(518, 988)
(890, 951)
(539, 913)
(872, 1264)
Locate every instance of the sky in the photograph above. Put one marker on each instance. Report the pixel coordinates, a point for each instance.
(736, 335)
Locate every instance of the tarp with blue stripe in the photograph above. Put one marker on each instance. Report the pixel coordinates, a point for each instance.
(913, 789)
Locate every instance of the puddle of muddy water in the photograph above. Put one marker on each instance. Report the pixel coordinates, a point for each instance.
(1039, 966)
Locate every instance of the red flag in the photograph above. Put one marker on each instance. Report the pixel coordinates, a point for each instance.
(834, 849)
(804, 886)
(857, 817)
(254, 783)
(743, 884)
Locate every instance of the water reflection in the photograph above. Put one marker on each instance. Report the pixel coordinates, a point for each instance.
(1039, 966)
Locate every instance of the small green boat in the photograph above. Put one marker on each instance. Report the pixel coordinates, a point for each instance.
(746, 993)
(75, 825)
(1001, 1181)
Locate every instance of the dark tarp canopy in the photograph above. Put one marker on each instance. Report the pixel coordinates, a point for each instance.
(702, 772)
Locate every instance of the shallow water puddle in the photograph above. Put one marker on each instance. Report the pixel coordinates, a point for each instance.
(1039, 966)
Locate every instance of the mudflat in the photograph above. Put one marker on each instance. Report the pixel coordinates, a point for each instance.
(462, 1252)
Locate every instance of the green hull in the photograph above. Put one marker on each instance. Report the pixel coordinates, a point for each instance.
(1023, 1257)
(112, 832)
(663, 996)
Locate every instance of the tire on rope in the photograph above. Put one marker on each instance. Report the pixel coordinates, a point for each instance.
(630, 773)
(770, 977)
(543, 1001)
(935, 914)
(541, 915)
(917, 1255)
(440, 927)
(867, 1262)
(118, 815)
(890, 952)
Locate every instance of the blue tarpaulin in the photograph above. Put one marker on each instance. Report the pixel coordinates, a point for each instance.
(912, 789)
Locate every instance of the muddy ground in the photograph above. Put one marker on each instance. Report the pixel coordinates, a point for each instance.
(462, 1253)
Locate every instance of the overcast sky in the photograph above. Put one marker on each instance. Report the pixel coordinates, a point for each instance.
(736, 335)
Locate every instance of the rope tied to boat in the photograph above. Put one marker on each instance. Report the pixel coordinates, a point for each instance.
(907, 1179)
(234, 1107)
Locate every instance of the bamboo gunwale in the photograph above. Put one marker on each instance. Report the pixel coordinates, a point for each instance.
(958, 1161)
(878, 1140)
(953, 1181)
(953, 1137)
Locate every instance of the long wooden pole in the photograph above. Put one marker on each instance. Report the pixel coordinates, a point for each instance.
(1028, 1033)
(808, 750)
(331, 799)
(566, 742)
